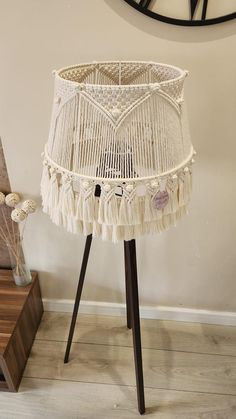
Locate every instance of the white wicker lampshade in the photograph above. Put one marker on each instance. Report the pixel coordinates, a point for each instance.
(118, 160)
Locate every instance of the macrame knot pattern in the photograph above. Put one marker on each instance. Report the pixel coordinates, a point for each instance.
(118, 161)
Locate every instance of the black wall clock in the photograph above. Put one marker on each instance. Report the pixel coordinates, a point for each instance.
(194, 7)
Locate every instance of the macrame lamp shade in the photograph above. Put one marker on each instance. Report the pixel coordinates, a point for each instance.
(118, 160)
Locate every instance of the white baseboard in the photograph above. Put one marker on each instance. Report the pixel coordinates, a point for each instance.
(147, 312)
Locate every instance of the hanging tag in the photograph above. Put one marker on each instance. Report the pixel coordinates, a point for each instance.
(160, 200)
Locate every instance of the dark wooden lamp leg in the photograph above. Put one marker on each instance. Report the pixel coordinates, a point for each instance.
(78, 295)
(135, 319)
(128, 313)
(132, 301)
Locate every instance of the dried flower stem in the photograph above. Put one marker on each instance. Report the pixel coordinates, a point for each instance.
(6, 224)
(13, 242)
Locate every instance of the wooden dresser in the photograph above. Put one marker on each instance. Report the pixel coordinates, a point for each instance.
(21, 310)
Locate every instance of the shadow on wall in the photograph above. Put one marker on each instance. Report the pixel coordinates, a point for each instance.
(171, 32)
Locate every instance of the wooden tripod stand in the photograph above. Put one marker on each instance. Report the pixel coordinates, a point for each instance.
(132, 308)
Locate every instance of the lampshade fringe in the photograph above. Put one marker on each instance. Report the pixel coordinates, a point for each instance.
(66, 197)
(113, 216)
(44, 187)
(53, 190)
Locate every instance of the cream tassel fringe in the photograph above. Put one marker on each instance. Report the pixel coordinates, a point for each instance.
(66, 198)
(110, 216)
(44, 186)
(53, 192)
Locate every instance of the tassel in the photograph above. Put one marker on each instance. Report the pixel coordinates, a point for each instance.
(123, 212)
(44, 186)
(181, 192)
(118, 234)
(174, 195)
(79, 207)
(56, 216)
(128, 232)
(130, 209)
(148, 215)
(101, 210)
(77, 226)
(70, 224)
(64, 220)
(89, 204)
(115, 233)
(166, 221)
(111, 212)
(138, 230)
(187, 184)
(53, 192)
(67, 199)
(135, 214)
(132, 205)
(106, 232)
(96, 229)
(87, 228)
(172, 189)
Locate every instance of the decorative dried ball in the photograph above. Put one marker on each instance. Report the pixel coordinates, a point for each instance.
(12, 199)
(18, 215)
(29, 206)
(2, 198)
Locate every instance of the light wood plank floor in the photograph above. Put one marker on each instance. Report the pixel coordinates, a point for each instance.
(189, 371)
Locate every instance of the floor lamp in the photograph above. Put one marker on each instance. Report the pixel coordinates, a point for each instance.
(118, 164)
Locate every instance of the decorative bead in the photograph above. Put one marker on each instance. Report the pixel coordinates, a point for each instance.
(186, 169)
(107, 187)
(175, 177)
(57, 99)
(52, 170)
(154, 86)
(29, 206)
(194, 152)
(154, 184)
(193, 161)
(12, 199)
(115, 112)
(129, 188)
(2, 198)
(85, 184)
(80, 86)
(18, 215)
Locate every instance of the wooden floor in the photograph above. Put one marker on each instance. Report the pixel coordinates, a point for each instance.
(189, 371)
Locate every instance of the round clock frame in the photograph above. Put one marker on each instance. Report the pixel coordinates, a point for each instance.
(181, 22)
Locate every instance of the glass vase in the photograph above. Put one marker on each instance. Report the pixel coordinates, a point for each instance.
(20, 271)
